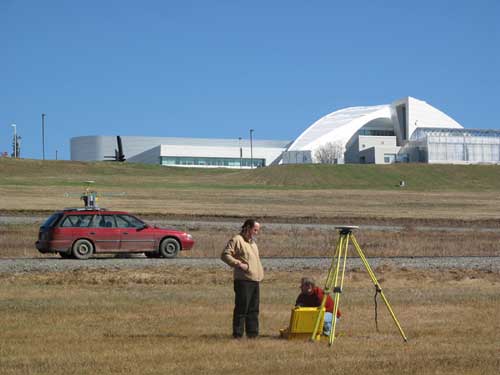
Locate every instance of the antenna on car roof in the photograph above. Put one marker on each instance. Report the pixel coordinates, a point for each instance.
(90, 196)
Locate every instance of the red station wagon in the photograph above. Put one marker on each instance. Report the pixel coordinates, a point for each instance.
(79, 233)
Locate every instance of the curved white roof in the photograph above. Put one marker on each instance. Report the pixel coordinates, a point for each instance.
(339, 126)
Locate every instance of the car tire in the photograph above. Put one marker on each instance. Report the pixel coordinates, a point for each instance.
(64, 255)
(83, 249)
(169, 248)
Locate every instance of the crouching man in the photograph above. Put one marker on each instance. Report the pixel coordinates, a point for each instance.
(312, 296)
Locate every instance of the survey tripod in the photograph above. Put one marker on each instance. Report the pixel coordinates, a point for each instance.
(334, 274)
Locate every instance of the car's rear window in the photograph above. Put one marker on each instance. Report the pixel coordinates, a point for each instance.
(52, 220)
(76, 221)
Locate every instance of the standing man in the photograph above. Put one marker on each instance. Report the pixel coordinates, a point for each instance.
(242, 254)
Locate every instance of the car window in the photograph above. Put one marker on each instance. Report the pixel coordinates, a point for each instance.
(127, 221)
(76, 221)
(69, 221)
(85, 221)
(52, 220)
(104, 221)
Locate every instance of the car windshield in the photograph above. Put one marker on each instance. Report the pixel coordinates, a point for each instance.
(52, 219)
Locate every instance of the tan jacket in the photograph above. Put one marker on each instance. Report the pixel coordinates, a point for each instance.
(239, 250)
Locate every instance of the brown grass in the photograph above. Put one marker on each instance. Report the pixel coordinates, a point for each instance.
(291, 240)
(177, 320)
(312, 205)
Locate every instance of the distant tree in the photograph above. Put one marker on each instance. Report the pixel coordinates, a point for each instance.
(329, 153)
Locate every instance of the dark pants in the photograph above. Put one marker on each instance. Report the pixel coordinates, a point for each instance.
(246, 308)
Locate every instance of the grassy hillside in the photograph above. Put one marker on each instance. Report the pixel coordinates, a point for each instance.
(418, 177)
(309, 192)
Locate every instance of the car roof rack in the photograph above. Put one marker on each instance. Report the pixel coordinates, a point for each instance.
(95, 208)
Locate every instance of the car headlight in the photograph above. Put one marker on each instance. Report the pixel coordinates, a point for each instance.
(188, 236)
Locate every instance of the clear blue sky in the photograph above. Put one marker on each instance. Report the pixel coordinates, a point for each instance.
(218, 68)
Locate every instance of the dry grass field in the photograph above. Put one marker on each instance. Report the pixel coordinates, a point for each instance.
(177, 321)
(309, 193)
(291, 240)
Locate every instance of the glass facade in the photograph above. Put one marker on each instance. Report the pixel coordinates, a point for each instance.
(456, 145)
(211, 162)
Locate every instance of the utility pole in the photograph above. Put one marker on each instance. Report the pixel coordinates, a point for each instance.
(241, 151)
(251, 149)
(43, 136)
(15, 141)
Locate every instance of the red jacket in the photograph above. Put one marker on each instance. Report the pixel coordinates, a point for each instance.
(314, 300)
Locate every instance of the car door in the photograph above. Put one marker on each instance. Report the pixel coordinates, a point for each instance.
(104, 233)
(135, 235)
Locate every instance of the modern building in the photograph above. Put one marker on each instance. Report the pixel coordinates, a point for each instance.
(377, 134)
(407, 130)
(180, 152)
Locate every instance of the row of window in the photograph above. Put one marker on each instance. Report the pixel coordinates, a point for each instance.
(212, 162)
(384, 133)
(101, 221)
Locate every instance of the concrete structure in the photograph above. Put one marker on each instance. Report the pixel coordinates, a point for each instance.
(183, 152)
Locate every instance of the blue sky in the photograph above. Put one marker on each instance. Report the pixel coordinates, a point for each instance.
(218, 68)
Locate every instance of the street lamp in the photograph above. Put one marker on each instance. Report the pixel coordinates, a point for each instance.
(15, 140)
(241, 151)
(251, 149)
(43, 136)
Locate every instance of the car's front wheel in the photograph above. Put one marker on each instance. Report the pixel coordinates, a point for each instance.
(169, 248)
(83, 249)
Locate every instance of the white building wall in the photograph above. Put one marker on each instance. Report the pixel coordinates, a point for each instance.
(269, 154)
(419, 114)
(149, 149)
(151, 156)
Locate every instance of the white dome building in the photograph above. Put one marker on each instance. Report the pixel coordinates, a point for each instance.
(375, 134)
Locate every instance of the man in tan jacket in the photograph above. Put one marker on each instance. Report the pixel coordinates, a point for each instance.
(242, 254)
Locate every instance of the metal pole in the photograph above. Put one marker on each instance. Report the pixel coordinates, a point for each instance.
(43, 136)
(15, 140)
(241, 151)
(251, 149)
(56, 154)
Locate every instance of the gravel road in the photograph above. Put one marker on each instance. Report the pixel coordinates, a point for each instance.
(21, 265)
(38, 220)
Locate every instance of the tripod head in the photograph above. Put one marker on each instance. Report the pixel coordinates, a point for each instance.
(346, 229)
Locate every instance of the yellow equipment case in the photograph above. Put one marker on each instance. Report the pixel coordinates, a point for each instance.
(302, 321)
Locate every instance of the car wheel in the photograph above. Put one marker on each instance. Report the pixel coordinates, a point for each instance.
(66, 255)
(83, 249)
(169, 248)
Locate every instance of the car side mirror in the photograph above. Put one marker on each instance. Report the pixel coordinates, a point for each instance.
(143, 226)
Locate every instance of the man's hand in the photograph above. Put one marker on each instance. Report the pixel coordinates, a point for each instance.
(242, 266)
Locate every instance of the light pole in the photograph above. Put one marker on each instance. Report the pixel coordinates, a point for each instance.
(251, 149)
(43, 136)
(241, 151)
(15, 140)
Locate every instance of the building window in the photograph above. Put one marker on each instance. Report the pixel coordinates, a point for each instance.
(389, 158)
(212, 162)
